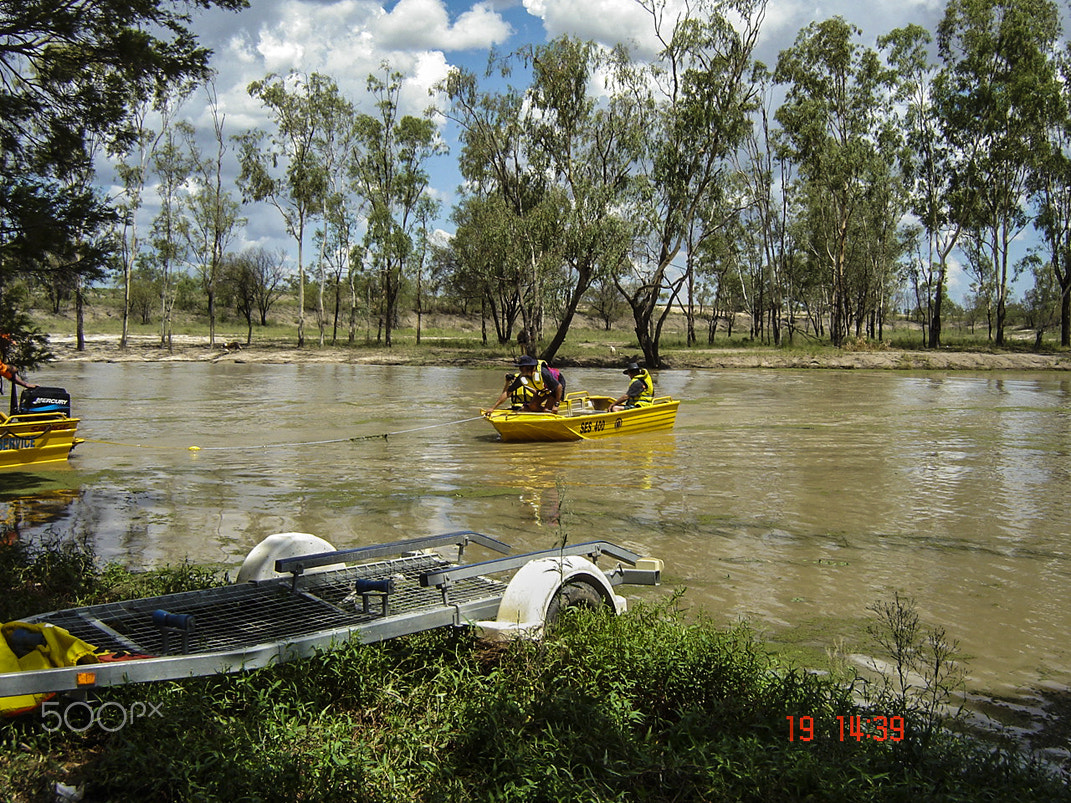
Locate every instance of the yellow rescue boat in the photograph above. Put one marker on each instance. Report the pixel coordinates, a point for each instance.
(40, 433)
(583, 417)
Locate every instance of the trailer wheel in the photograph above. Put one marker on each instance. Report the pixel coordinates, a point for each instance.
(574, 595)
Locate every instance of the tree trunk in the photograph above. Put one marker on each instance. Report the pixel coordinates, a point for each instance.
(935, 319)
(583, 282)
(80, 315)
(1065, 317)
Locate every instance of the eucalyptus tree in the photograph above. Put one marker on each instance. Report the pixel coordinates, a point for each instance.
(337, 241)
(135, 164)
(426, 211)
(506, 218)
(67, 75)
(698, 95)
(588, 146)
(132, 167)
(605, 301)
(481, 262)
(767, 177)
(269, 279)
(1042, 302)
(251, 282)
(90, 250)
(236, 282)
(334, 142)
(171, 165)
(835, 106)
(930, 162)
(283, 167)
(877, 244)
(553, 160)
(999, 96)
(1050, 185)
(727, 275)
(391, 173)
(212, 214)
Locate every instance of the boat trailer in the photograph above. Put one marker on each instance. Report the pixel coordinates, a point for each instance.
(288, 606)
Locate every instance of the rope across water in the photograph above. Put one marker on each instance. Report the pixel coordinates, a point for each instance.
(288, 445)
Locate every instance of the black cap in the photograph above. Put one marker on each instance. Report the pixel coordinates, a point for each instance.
(633, 368)
(526, 361)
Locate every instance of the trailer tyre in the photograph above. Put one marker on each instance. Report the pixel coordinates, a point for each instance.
(573, 595)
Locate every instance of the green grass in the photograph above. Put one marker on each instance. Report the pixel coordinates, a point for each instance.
(655, 705)
(61, 574)
(456, 339)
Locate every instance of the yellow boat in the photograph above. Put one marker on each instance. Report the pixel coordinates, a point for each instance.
(584, 417)
(40, 432)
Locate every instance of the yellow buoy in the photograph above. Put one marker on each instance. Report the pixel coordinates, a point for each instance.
(195, 448)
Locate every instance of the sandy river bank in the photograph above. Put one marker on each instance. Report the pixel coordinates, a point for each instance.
(105, 348)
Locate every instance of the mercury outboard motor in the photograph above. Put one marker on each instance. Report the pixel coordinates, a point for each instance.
(45, 400)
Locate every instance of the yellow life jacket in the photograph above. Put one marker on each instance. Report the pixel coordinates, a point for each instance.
(520, 394)
(537, 382)
(646, 398)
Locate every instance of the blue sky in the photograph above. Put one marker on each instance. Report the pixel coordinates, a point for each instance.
(423, 39)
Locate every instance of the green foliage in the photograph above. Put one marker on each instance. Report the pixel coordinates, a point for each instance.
(392, 177)
(925, 674)
(650, 706)
(71, 76)
(1000, 96)
(62, 573)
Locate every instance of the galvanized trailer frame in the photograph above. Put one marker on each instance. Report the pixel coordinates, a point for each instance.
(252, 625)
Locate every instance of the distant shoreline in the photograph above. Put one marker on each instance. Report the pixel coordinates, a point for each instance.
(105, 348)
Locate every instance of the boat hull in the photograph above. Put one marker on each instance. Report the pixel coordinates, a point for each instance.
(587, 418)
(34, 439)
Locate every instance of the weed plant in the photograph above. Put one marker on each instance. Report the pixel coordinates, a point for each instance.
(643, 707)
(63, 573)
(656, 705)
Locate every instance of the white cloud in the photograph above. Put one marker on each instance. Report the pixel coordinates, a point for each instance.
(627, 21)
(606, 21)
(426, 24)
(350, 39)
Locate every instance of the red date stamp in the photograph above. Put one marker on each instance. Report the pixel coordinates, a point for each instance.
(874, 728)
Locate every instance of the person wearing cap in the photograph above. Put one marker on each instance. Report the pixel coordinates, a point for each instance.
(640, 391)
(543, 385)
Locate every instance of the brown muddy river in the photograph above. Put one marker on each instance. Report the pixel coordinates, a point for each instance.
(794, 500)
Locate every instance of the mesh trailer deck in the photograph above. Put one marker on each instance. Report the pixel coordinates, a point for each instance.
(315, 602)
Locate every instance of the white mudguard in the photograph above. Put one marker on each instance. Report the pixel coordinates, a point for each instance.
(523, 610)
(259, 564)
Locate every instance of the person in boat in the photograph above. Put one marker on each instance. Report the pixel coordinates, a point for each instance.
(11, 374)
(640, 391)
(8, 371)
(518, 397)
(542, 385)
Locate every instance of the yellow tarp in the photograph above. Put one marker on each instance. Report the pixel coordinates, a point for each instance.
(59, 648)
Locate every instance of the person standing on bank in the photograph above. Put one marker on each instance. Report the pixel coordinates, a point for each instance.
(640, 391)
(545, 386)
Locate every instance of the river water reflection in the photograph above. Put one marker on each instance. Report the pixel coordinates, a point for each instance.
(792, 499)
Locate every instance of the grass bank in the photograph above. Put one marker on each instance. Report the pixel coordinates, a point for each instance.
(459, 340)
(656, 705)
